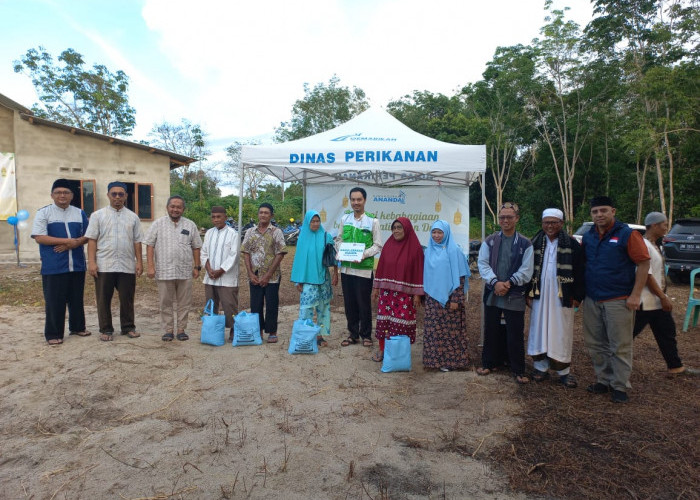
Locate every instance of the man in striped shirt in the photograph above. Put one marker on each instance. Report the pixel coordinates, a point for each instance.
(219, 258)
(59, 229)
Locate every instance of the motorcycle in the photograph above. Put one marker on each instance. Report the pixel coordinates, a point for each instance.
(474, 246)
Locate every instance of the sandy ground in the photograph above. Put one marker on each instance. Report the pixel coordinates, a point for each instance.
(147, 419)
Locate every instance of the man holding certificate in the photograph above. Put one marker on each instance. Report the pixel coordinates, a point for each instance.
(358, 243)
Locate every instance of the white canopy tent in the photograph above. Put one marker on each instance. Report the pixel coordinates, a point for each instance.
(375, 149)
(372, 149)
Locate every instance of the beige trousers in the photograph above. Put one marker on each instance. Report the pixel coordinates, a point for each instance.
(175, 301)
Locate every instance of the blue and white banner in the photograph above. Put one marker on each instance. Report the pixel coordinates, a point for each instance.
(422, 205)
(8, 187)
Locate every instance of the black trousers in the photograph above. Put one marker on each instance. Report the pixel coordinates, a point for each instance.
(269, 297)
(125, 284)
(664, 329)
(61, 290)
(357, 296)
(498, 342)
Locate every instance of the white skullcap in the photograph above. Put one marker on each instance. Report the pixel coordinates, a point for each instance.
(553, 212)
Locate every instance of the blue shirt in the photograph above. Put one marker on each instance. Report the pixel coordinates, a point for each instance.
(57, 222)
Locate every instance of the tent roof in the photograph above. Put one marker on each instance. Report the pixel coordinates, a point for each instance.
(373, 148)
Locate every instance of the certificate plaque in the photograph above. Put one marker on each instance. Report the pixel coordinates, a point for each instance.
(350, 252)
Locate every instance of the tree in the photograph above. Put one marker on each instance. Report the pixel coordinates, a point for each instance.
(656, 44)
(186, 139)
(560, 109)
(252, 178)
(94, 100)
(324, 107)
(499, 101)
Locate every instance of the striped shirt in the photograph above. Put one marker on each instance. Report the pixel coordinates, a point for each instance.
(116, 232)
(173, 245)
(58, 222)
(220, 248)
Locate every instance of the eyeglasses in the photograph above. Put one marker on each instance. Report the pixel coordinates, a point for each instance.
(506, 217)
(117, 195)
(62, 193)
(551, 222)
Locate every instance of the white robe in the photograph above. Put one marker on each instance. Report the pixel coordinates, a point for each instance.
(551, 324)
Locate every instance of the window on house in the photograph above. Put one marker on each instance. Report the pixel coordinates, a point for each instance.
(140, 199)
(83, 195)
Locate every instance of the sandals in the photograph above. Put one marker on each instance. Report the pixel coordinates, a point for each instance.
(54, 342)
(81, 334)
(168, 337)
(132, 335)
(182, 336)
(539, 376)
(106, 337)
(522, 379)
(367, 343)
(483, 371)
(349, 341)
(378, 356)
(272, 339)
(322, 342)
(568, 380)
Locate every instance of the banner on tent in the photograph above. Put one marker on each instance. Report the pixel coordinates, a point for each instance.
(422, 205)
(8, 189)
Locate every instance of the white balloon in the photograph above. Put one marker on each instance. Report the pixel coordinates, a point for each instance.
(23, 224)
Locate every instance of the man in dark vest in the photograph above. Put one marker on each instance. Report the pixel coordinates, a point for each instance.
(505, 265)
(617, 265)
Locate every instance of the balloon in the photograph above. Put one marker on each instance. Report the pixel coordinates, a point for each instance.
(23, 224)
(12, 220)
(22, 215)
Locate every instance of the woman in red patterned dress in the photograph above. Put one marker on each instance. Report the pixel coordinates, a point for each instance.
(398, 284)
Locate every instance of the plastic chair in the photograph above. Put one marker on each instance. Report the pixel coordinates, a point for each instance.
(693, 303)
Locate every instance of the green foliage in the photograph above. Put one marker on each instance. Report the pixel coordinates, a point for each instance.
(93, 99)
(324, 107)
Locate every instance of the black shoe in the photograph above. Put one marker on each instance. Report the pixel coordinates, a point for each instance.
(619, 396)
(598, 388)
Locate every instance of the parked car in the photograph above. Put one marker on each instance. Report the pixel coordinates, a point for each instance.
(578, 235)
(682, 249)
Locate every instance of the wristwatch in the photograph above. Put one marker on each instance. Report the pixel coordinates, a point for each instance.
(198, 268)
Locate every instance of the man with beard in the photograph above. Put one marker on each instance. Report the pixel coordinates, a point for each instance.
(556, 288)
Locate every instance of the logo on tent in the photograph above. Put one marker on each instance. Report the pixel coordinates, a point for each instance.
(400, 198)
(359, 137)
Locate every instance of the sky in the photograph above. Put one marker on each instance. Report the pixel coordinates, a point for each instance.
(237, 67)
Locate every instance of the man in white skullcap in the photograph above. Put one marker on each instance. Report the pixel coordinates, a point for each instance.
(556, 288)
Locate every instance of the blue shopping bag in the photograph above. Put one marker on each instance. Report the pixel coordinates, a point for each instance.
(246, 329)
(397, 354)
(303, 339)
(213, 326)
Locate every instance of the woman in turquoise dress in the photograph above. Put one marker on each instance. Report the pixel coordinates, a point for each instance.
(312, 278)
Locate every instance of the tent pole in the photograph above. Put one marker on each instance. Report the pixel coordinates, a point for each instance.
(483, 237)
(240, 213)
(303, 195)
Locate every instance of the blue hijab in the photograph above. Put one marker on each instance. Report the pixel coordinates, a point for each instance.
(445, 264)
(307, 266)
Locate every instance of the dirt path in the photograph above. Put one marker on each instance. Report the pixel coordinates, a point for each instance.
(147, 419)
